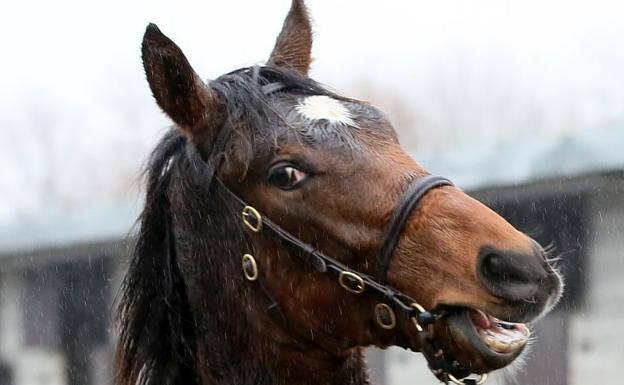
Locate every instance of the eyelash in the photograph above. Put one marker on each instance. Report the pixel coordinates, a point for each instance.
(294, 176)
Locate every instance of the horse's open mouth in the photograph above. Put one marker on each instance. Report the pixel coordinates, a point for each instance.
(500, 336)
(482, 342)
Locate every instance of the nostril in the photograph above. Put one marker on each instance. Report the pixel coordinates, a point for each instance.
(492, 266)
(507, 275)
(496, 267)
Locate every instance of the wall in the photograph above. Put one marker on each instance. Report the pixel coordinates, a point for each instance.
(55, 319)
(596, 332)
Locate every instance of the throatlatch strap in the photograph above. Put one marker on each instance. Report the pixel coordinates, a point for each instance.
(409, 200)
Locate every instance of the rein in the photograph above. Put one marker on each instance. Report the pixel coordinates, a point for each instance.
(349, 279)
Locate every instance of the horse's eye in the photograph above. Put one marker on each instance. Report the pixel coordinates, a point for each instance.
(286, 177)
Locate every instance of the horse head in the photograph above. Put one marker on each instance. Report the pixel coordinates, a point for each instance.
(263, 252)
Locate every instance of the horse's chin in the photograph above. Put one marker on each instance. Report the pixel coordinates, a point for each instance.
(480, 342)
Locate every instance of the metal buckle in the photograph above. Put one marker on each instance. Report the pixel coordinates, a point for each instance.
(415, 318)
(250, 268)
(249, 212)
(385, 316)
(357, 282)
(480, 381)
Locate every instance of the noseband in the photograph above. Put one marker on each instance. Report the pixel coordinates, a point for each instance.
(349, 279)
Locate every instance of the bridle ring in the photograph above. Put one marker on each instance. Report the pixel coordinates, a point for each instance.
(480, 381)
(380, 310)
(420, 309)
(347, 277)
(248, 213)
(250, 267)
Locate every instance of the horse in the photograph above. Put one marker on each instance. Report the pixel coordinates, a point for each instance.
(285, 229)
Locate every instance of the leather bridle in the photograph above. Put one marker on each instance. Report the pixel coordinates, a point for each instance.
(349, 279)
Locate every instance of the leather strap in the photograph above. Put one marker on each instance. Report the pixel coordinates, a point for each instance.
(329, 265)
(414, 193)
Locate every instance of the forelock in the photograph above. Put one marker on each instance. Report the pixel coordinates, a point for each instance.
(300, 106)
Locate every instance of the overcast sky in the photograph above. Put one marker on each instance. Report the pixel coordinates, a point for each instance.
(77, 119)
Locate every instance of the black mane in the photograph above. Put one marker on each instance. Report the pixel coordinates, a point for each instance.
(153, 317)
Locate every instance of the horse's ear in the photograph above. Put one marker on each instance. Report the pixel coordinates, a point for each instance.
(294, 44)
(178, 90)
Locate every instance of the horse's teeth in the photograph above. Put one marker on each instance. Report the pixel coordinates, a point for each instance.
(499, 346)
(491, 341)
(501, 343)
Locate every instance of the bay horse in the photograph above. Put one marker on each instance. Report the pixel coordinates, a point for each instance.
(285, 229)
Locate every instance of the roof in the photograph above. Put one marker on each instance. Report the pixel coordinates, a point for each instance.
(518, 163)
(57, 230)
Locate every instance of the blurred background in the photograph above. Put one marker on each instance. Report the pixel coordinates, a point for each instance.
(521, 103)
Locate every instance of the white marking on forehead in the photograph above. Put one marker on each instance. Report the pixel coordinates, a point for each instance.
(319, 107)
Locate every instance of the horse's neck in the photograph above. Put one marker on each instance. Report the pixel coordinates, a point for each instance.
(239, 343)
(278, 370)
(256, 350)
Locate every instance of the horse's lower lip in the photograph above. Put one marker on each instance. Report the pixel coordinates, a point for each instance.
(481, 342)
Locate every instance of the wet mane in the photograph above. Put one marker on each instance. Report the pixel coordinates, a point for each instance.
(153, 312)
